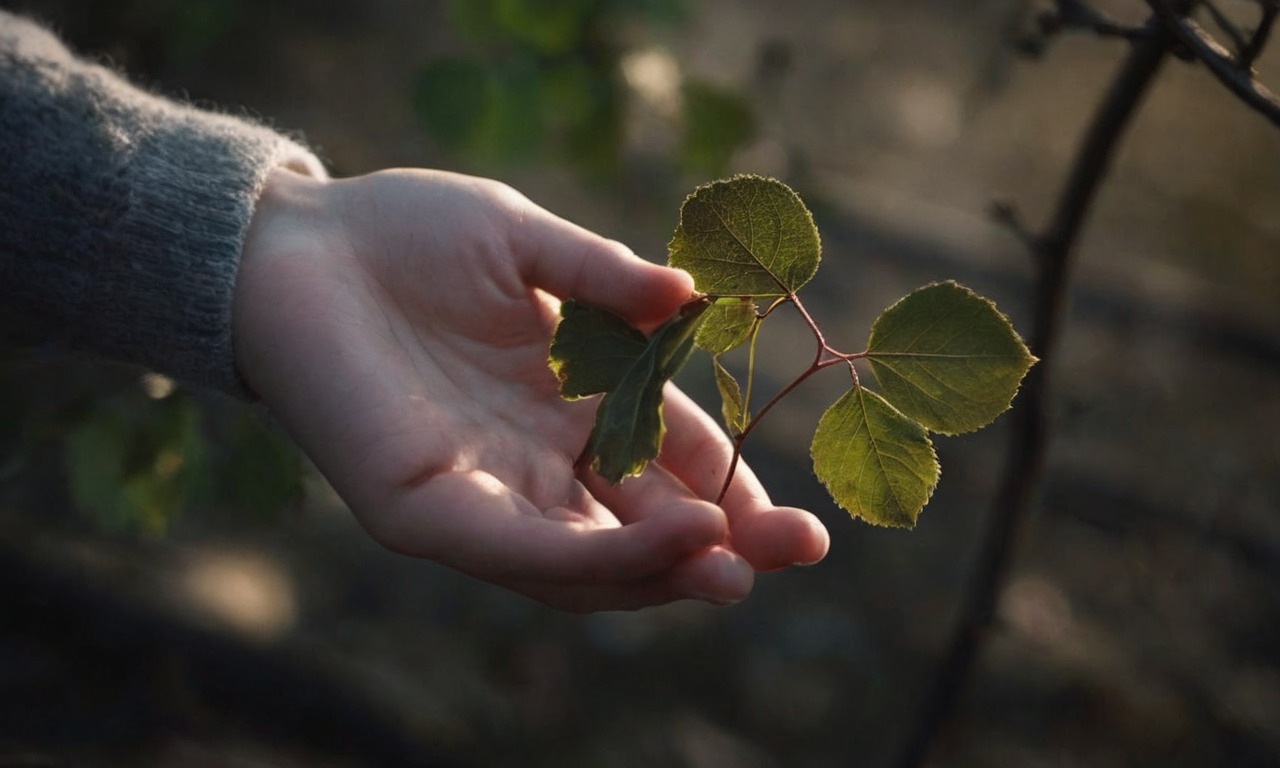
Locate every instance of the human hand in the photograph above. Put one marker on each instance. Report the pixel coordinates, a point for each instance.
(397, 325)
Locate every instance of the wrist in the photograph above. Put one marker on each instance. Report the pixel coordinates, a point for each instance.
(285, 231)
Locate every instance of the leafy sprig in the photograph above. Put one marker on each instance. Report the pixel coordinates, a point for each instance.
(946, 360)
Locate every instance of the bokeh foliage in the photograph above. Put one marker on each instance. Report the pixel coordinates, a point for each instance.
(130, 454)
(541, 82)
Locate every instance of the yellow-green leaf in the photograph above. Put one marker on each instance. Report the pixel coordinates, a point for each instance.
(876, 463)
(727, 324)
(746, 236)
(731, 406)
(947, 358)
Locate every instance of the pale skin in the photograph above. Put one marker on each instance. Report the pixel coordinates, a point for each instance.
(397, 325)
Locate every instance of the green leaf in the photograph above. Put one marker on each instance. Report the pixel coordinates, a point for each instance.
(592, 128)
(453, 99)
(552, 27)
(746, 236)
(732, 407)
(476, 21)
(134, 468)
(628, 429)
(263, 469)
(876, 463)
(717, 123)
(488, 112)
(727, 324)
(592, 350)
(947, 358)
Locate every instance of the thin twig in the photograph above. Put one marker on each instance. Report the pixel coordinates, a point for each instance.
(1072, 15)
(824, 357)
(1027, 449)
(1250, 53)
(1006, 214)
(1077, 14)
(1239, 80)
(1225, 24)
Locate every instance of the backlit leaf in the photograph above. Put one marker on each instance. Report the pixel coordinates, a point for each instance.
(727, 324)
(731, 405)
(592, 350)
(876, 463)
(628, 429)
(947, 358)
(746, 236)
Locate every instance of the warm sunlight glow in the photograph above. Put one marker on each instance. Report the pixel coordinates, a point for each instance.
(1038, 610)
(248, 592)
(157, 385)
(654, 75)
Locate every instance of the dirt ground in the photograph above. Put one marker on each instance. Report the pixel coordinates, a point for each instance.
(1141, 625)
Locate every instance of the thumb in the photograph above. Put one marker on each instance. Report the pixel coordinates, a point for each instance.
(571, 262)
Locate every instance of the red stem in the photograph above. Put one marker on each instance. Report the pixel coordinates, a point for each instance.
(825, 357)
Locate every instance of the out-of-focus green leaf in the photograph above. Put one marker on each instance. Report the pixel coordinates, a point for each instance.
(572, 93)
(716, 124)
(513, 134)
(591, 130)
(551, 27)
(542, 82)
(476, 20)
(653, 11)
(876, 463)
(263, 469)
(453, 98)
(746, 236)
(491, 115)
(728, 323)
(947, 358)
(134, 466)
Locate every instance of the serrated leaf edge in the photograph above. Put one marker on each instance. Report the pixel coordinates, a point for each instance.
(875, 359)
(933, 456)
(808, 214)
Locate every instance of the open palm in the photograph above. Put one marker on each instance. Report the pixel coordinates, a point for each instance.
(397, 324)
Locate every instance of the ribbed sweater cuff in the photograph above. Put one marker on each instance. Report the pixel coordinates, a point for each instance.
(125, 213)
(194, 181)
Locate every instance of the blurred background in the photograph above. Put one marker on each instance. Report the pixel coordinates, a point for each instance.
(181, 589)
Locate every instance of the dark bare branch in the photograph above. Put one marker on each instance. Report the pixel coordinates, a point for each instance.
(1072, 15)
(1005, 213)
(1225, 24)
(1219, 61)
(1250, 53)
(1030, 432)
(1077, 14)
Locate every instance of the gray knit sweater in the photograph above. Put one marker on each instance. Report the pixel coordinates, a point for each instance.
(122, 214)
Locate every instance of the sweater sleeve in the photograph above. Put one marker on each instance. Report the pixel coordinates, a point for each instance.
(122, 214)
